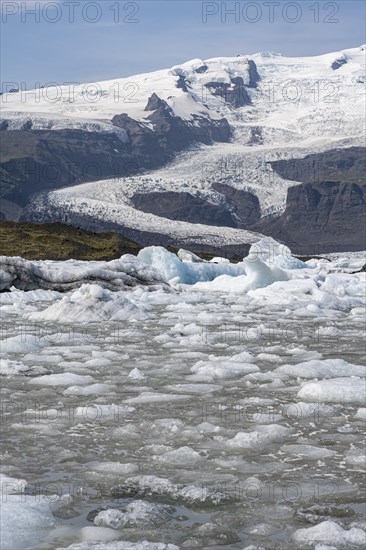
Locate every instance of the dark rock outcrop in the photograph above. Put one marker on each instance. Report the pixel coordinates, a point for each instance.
(174, 134)
(143, 142)
(253, 74)
(256, 136)
(242, 208)
(243, 204)
(201, 69)
(326, 212)
(334, 165)
(321, 217)
(234, 94)
(154, 103)
(184, 207)
(182, 83)
(338, 63)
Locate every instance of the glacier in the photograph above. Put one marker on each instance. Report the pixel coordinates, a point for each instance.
(198, 405)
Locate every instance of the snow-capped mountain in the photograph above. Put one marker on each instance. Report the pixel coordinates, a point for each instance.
(202, 153)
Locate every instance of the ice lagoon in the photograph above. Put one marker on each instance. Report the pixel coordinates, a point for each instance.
(184, 404)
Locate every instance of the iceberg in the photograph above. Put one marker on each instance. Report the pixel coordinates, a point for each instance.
(90, 303)
(189, 271)
(273, 253)
(121, 274)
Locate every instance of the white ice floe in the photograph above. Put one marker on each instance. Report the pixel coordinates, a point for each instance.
(115, 468)
(93, 389)
(260, 437)
(154, 486)
(329, 532)
(185, 272)
(361, 413)
(322, 368)
(96, 412)
(88, 304)
(311, 452)
(136, 374)
(11, 368)
(62, 379)
(34, 514)
(258, 275)
(11, 485)
(181, 457)
(121, 545)
(22, 343)
(136, 514)
(218, 369)
(36, 520)
(338, 390)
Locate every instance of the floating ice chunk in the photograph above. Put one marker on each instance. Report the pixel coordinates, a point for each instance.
(309, 451)
(171, 267)
(8, 368)
(337, 390)
(167, 425)
(11, 485)
(261, 275)
(93, 389)
(62, 379)
(94, 411)
(136, 374)
(100, 534)
(193, 388)
(88, 304)
(259, 437)
(121, 545)
(117, 468)
(325, 368)
(35, 519)
(184, 456)
(222, 370)
(258, 275)
(361, 414)
(274, 253)
(22, 343)
(356, 457)
(152, 397)
(154, 486)
(320, 412)
(137, 514)
(329, 532)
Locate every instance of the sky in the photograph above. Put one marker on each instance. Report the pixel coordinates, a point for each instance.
(63, 41)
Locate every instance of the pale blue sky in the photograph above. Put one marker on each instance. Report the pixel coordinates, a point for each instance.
(164, 33)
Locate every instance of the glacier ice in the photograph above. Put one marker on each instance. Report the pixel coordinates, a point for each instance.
(120, 274)
(185, 272)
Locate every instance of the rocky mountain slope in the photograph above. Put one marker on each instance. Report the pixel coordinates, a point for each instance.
(209, 153)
